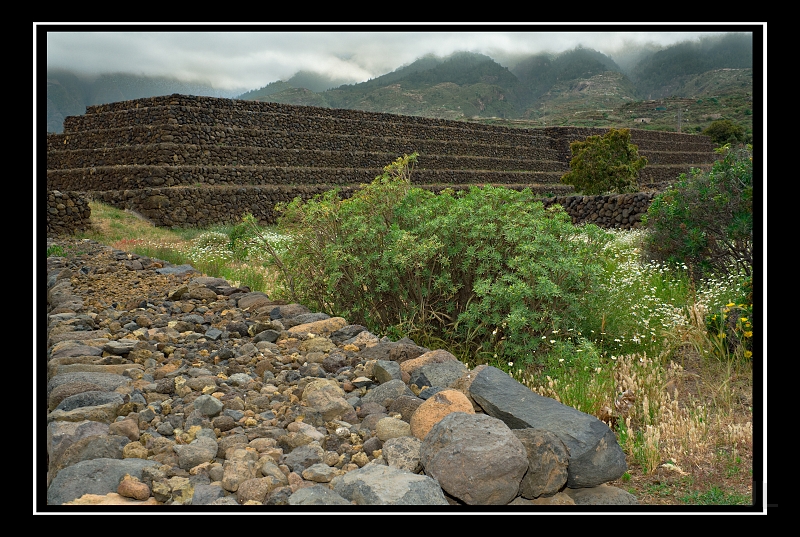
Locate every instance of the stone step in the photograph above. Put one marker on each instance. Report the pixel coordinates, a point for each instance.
(292, 121)
(200, 207)
(196, 136)
(135, 177)
(171, 154)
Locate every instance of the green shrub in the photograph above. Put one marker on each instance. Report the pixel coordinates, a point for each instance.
(705, 220)
(725, 131)
(605, 164)
(489, 266)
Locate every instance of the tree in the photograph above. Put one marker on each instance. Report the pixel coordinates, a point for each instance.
(705, 220)
(725, 131)
(605, 164)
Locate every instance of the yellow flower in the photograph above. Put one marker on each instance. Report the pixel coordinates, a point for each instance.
(748, 334)
(743, 319)
(748, 354)
(730, 305)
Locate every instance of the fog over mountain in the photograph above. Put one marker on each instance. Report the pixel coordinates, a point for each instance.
(463, 84)
(238, 59)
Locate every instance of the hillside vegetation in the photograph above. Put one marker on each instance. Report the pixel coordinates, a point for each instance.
(679, 88)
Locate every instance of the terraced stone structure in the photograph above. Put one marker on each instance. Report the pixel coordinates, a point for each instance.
(188, 161)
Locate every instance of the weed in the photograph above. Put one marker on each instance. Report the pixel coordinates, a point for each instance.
(716, 496)
(55, 250)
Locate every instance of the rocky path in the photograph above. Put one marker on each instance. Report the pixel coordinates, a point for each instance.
(159, 385)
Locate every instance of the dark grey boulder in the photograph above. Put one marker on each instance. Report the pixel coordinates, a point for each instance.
(95, 476)
(303, 318)
(302, 457)
(476, 458)
(386, 370)
(270, 336)
(201, 449)
(377, 484)
(441, 375)
(595, 455)
(74, 348)
(405, 349)
(346, 332)
(207, 494)
(107, 381)
(103, 446)
(601, 495)
(287, 310)
(316, 495)
(89, 398)
(379, 351)
(387, 391)
(548, 460)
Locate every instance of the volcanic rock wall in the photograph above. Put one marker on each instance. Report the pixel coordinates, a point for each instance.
(186, 161)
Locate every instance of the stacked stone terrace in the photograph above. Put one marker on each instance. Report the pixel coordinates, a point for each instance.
(194, 161)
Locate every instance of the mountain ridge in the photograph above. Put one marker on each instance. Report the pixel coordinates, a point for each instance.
(578, 87)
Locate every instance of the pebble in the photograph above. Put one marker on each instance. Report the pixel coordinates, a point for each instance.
(164, 386)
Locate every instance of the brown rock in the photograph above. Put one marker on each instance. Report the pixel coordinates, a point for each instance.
(112, 498)
(437, 407)
(325, 327)
(128, 427)
(432, 357)
(130, 487)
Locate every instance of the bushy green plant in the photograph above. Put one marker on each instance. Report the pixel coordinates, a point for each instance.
(725, 131)
(705, 220)
(605, 164)
(487, 265)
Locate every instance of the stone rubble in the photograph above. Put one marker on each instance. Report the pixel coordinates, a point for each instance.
(164, 386)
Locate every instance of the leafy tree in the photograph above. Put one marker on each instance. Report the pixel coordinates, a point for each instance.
(725, 131)
(705, 220)
(605, 164)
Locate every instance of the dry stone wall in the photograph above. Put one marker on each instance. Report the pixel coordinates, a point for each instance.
(67, 212)
(185, 161)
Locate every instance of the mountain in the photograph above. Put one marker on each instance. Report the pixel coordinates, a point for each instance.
(460, 85)
(666, 71)
(684, 86)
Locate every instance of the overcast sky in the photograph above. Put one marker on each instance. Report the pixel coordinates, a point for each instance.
(234, 57)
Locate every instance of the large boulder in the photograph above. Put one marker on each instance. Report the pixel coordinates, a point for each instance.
(476, 458)
(595, 457)
(376, 484)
